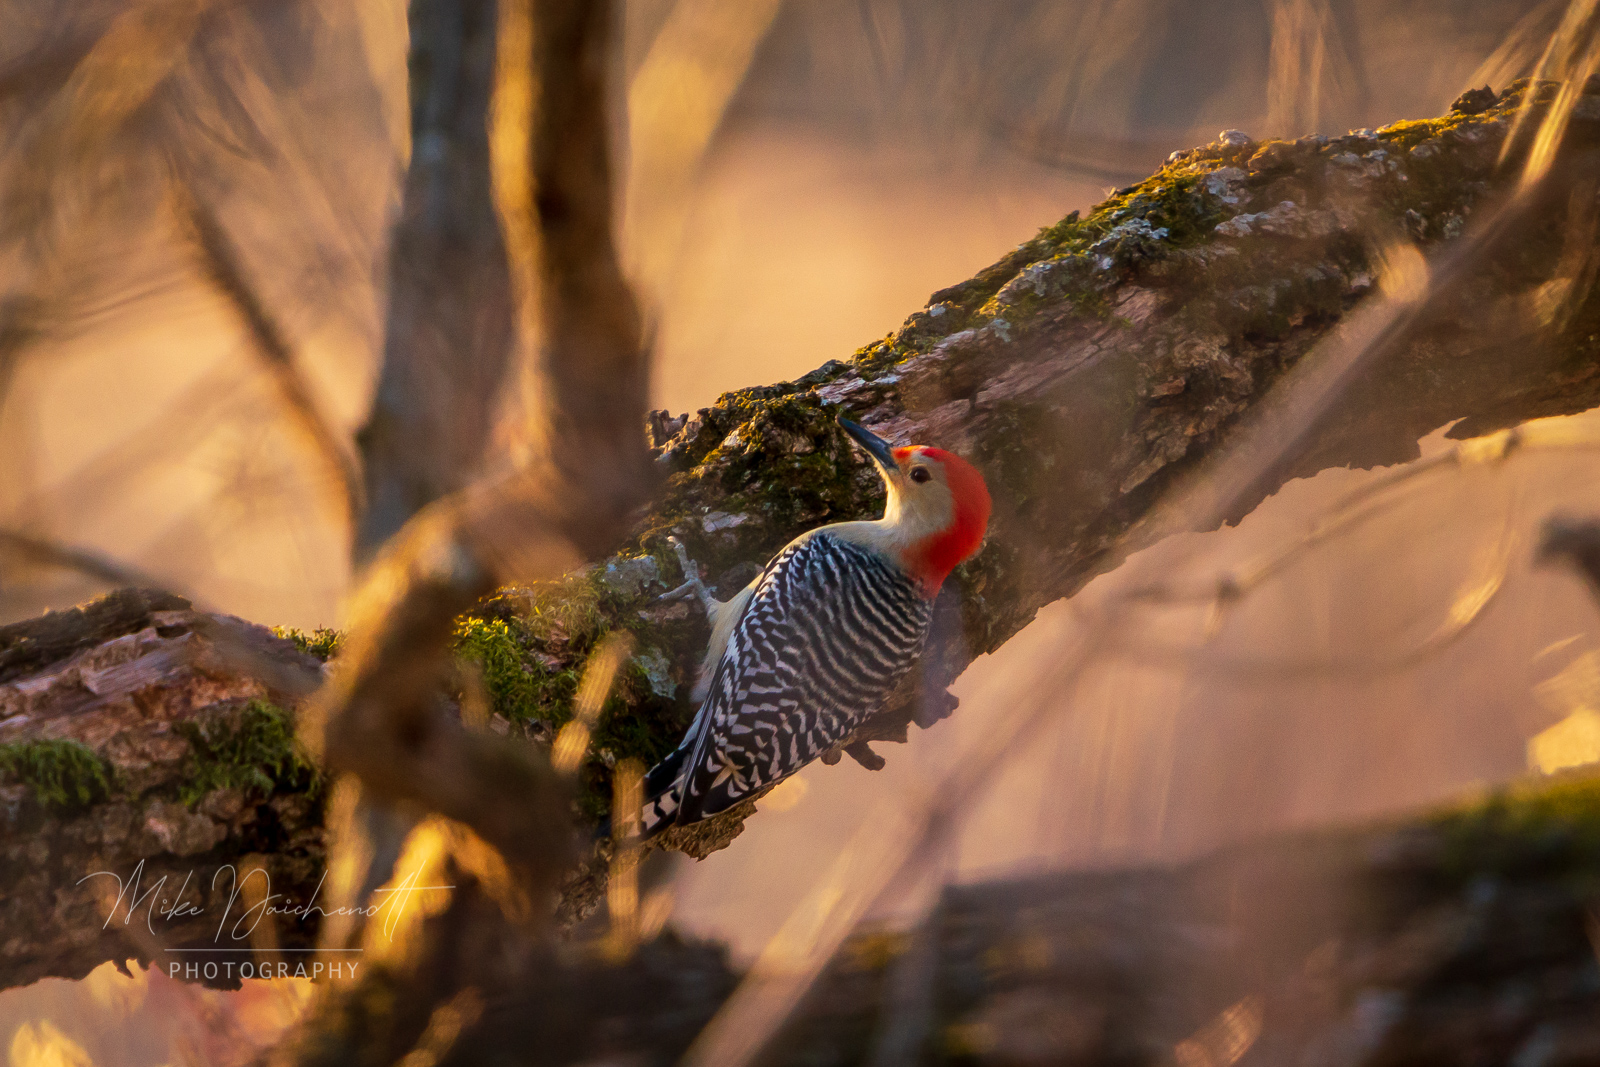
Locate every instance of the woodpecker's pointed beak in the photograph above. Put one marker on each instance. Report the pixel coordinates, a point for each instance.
(876, 446)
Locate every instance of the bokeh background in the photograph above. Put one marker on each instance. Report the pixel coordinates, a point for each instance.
(803, 173)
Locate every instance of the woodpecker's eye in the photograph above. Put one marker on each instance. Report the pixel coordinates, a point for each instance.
(920, 474)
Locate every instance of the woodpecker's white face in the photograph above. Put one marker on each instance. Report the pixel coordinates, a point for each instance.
(920, 501)
(936, 514)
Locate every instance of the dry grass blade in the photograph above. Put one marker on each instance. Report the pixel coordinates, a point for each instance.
(1224, 1040)
(444, 1026)
(1574, 57)
(1520, 47)
(622, 888)
(365, 840)
(1569, 56)
(572, 744)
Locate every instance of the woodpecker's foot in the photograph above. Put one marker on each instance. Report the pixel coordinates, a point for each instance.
(692, 582)
(862, 753)
(859, 751)
(935, 705)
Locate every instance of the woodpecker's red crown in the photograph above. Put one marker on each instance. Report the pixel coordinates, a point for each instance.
(936, 514)
(939, 551)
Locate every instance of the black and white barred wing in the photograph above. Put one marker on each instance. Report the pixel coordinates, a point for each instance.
(830, 630)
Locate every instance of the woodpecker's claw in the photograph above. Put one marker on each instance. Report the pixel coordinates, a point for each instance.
(692, 584)
(862, 753)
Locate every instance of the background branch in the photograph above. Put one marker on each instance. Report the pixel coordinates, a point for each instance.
(225, 270)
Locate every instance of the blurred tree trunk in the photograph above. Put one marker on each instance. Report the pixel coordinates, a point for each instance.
(451, 333)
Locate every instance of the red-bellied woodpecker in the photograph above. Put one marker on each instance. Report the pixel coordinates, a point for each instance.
(821, 637)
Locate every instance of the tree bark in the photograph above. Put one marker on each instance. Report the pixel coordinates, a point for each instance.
(147, 775)
(1390, 943)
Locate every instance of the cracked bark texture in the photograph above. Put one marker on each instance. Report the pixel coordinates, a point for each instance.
(1084, 373)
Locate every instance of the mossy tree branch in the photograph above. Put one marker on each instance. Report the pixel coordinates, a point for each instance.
(1097, 364)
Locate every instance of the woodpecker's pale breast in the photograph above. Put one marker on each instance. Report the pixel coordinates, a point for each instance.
(829, 631)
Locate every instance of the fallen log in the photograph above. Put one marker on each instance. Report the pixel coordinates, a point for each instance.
(152, 790)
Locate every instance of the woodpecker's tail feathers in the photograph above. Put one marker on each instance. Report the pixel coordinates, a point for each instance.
(660, 813)
(661, 795)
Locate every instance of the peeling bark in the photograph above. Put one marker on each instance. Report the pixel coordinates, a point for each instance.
(143, 683)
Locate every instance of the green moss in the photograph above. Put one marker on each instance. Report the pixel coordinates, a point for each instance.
(532, 649)
(1527, 828)
(526, 682)
(519, 686)
(1064, 232)
(624, 732)
(61, 772)
(973, 293)
(877, 359)
(1169, 200)
(1413, 132)
(1515, 95)
(789, 468)
(253, 750)
(322, 642)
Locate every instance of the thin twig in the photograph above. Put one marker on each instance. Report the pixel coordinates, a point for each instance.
(225, 267)
(572, 744)
(85, 561)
